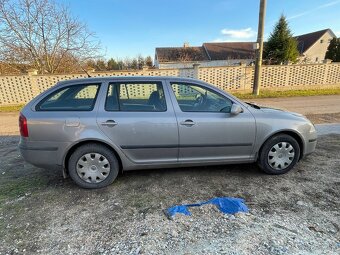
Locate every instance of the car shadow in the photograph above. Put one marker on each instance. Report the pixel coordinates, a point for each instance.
(232, 169)
(16, 164)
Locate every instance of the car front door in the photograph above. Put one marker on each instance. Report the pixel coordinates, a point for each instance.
(207, 130)
(138, 117)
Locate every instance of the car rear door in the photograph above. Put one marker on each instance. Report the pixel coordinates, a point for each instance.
(59, 115)
(207, 130)
(138, 117)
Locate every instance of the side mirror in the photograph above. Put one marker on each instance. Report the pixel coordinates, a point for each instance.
(236, 109)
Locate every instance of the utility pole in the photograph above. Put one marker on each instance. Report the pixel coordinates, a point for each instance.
(258, 64)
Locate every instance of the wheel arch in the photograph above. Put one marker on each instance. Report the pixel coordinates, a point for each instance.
(291, 133)
(83, 142)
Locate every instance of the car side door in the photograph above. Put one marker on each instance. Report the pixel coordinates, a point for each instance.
(138, 117)
(59, 115)
(208, 131)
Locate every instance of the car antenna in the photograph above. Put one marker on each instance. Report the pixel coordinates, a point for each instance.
(82, 68)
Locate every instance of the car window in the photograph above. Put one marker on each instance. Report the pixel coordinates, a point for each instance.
(71, 98)
(195, 98)
(140, 97)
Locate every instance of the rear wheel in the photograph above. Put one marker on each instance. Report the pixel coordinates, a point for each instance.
(279, 154)
(93, 166)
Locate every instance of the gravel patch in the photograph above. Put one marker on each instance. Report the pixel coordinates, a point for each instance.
(295, 213)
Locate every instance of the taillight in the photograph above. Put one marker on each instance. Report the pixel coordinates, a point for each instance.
(23, 125)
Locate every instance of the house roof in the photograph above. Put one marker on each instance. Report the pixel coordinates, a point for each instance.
(183, 54)
(209, 51)
(230, 50)
(306, 41)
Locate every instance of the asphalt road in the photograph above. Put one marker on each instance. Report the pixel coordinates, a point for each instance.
(303, 105)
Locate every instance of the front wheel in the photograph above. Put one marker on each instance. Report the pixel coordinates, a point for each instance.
(279, 154)
(93, 166)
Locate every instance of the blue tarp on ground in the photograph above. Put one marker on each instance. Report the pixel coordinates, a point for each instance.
(228, 205)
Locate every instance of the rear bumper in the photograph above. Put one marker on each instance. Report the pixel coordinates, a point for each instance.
(41, 154)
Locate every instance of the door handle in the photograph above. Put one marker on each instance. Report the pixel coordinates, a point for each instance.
(188, 123)
(109, 123)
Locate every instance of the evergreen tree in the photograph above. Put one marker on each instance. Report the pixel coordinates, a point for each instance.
(112, 64)
(134, 64)
(281, 46)
(333, 50)
(337, 59)
(141, 61)
(148, 61)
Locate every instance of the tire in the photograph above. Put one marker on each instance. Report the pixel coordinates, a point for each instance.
(279, 154)
(93, 166)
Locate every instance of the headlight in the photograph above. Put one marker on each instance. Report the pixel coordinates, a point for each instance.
(312, 128)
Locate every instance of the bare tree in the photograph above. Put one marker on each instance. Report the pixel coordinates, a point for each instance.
(6, 68)
(44, 35)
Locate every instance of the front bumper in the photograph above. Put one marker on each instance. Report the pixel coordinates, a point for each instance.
(310, 147)
(310, 143)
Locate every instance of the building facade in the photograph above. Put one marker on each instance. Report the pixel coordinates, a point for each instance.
(313, 46)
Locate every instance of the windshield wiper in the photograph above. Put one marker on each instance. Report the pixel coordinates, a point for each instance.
(253, 105)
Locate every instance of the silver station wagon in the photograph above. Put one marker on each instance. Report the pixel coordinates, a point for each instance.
(96, 127)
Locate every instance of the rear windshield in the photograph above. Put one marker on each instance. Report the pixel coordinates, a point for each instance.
(71, 98)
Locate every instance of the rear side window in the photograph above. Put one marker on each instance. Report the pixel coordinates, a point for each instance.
(72, 98)
(136, 97)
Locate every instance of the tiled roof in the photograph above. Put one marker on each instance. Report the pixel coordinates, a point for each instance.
(183, 54)
(307, 40)
(230, 50)
(209, 51)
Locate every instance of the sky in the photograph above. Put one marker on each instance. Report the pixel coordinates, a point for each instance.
(127, 28)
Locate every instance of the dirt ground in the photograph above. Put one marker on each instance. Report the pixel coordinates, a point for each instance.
(324, 118)
(295, 213)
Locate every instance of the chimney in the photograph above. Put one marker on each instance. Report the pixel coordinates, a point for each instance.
(186, 45)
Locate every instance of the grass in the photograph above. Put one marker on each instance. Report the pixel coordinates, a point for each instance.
(14, 188)
(11, 108)
(289, 93)
(263, 94)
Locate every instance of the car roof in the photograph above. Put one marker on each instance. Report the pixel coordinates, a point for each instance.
(126, 78)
